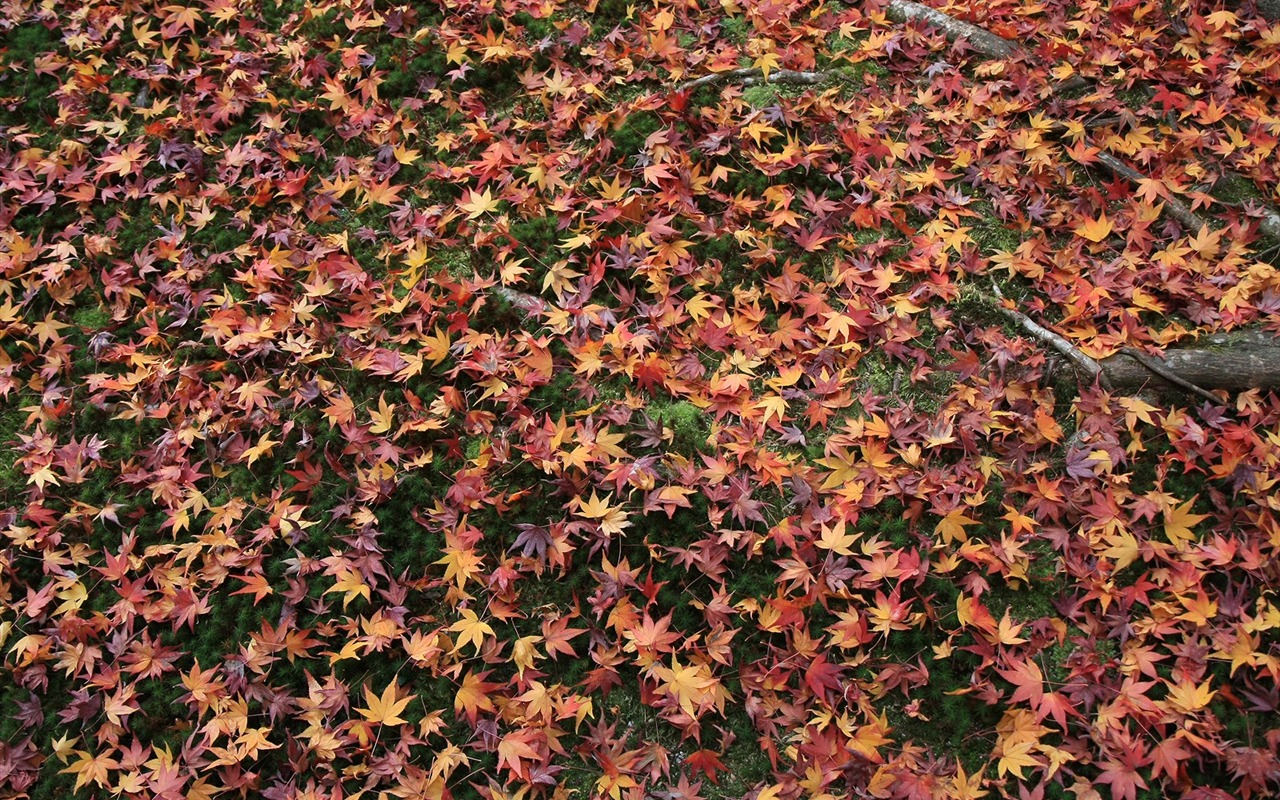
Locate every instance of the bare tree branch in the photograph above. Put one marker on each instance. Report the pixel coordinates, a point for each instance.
(1169, 375)
(1072, 353)
(1190, 220)
(752, 76)
(980, 39)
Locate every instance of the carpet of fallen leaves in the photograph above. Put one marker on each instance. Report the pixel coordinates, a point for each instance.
(448, 399)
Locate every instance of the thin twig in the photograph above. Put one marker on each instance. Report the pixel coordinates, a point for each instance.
(1190, 220)
(751, 76)
(1169, 375)
(1091, 366)
(1074, 354)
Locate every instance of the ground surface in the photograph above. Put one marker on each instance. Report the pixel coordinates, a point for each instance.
(438, 400)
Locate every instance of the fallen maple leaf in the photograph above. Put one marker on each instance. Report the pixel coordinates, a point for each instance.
(690, 685)
(385, 709)
(477, 204)
(472, 630)
(1095, 230)
(1178, 522)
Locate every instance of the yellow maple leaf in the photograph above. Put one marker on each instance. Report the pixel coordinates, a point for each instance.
(350, 649)
(62, 746)
(688, 684)
(1222, 19)
(967, 787)
(1178, 523)
(512, 748)
(478, 203)
(612, 519)
(1124, 548)
(90, 768)
(264, 446)
(559, 278)
(1136, 410)
(525, 652)
(1007, 631)
(470, 629)
(595, 508)
(773, 406)
(836, 540)
(436, 347)
(456, 54)
(758, 130)
(43, 477)
(472, 696)
(124, 162)
(766, 62)
(385, 709)
(1016, 753)
(699, 307)
(405, 155)
(351, 584)
(461, 565)
(844, 467)
(1189, 697)
(952, 526)
(383, 417)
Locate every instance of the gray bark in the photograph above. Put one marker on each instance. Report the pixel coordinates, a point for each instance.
(1269, 225)
(985, 42)
(1235, 362)
(752, 76)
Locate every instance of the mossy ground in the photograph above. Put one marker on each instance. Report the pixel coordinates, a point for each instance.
(952, 713)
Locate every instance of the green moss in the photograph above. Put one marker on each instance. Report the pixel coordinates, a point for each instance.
(558, 393)
(857, 75)
(758, 579)
(1134, 97)
(28, 42)
(686, 422)
(879, 375)
(534, 29)
(1044, 563)
(977, 305)
(761, 95)
(735, 30)
(459, 262)
(92, 318)
(953, 718)
(990, 233)
(536, 236)
(13, 420)
(746, 762)
(866, 236)
(848, 44)
(630, 135)
(609, 14)
(1023, 603)
(24, 45)
(276, 12)
(1234, 189)
(886, 521)
(1054, 664)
